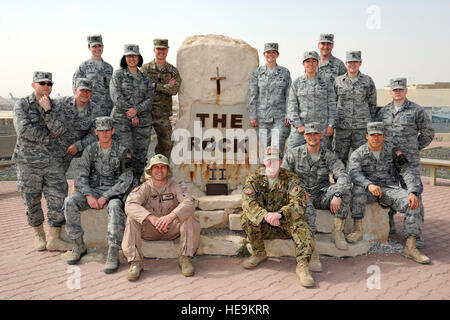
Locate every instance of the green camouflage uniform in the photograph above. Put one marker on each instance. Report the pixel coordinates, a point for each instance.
(162, 103)
(287, 195)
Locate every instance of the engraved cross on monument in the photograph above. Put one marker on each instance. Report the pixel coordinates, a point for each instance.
(218, 78)
(213, 141)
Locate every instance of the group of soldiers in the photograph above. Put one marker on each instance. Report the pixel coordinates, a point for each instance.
(308, 128)
(318, 119)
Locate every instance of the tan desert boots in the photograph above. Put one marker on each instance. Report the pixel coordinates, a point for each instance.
(135, 270)
(79, 249)
(254, 260)
(186, 266)
(338, 234)
(303, 274)
(55, 243)
(314, 263)
(39, 238)
(357, 232)
(411, 251)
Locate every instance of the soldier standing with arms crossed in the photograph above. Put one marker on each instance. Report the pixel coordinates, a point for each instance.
(38, 169)
(167, 81)
(267, 95)
(99, 72)
(409, 128)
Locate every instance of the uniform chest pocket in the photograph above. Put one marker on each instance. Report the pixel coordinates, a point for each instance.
(321, 91)
(114, 164)
(262, 82)
(281, 82)
(321, 172)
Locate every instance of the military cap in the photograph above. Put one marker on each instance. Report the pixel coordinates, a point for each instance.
(104, 123)
(84, 84)
(39, 76)
(310, 54)
(313, 127)
(327, 37)
(353, 56)
(157, 159)
(398, 83)
(161, 43)
(375, 127)
(95, 39)
(272, 152)
(131, 49)
(271, 46)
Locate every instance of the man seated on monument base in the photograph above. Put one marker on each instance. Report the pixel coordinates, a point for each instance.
(273, 204)
(371, 169)
(160, 209)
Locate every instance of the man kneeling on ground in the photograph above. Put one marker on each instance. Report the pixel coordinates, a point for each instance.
(160, 209)
(273, 203)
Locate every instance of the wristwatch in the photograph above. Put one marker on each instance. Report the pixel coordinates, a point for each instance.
(282, 214)
(338, 194)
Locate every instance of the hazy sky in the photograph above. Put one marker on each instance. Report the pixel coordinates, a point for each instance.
(397, 38)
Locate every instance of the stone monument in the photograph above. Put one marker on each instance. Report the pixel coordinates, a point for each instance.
(214, 147)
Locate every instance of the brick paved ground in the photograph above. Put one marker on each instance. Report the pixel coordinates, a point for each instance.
(27, 274)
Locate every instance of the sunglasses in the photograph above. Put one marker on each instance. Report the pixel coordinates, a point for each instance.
(43, 83)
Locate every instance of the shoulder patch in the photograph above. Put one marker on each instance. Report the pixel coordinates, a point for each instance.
(248, 190)
(294, 190)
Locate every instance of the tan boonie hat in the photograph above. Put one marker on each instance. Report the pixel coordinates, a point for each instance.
(398, 83)
(310, 54)
(104, 123)
(271, 46)
(84, 84)
(157, 159)
(39, 76)
(131, 49)
(375, 127)
(313, 127)
(272, 152)
(353, 56)
(161, 43)
(327, 37)
(95, 39)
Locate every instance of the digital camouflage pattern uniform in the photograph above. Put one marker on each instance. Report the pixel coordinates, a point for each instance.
(314, 177)
(356, 106)
(162, 103)
(100, 73)
(331, 69)
(79, 125)
(310, 100)
(130, 90)
(100, 173)
(266, 102)
(365, 169)
(38, 169)
(287, 195)
(410, 129)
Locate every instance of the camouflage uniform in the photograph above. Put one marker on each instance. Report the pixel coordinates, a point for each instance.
(356, 106)
(100, 74)
(310, 101)
(365, 169)
(130, 90)
(314, 176)
(266, 102)
(79, 128)
(100, 173)
(409, 129)
(331, 69)
(38, 169)
(287, 195)
(162, 103)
